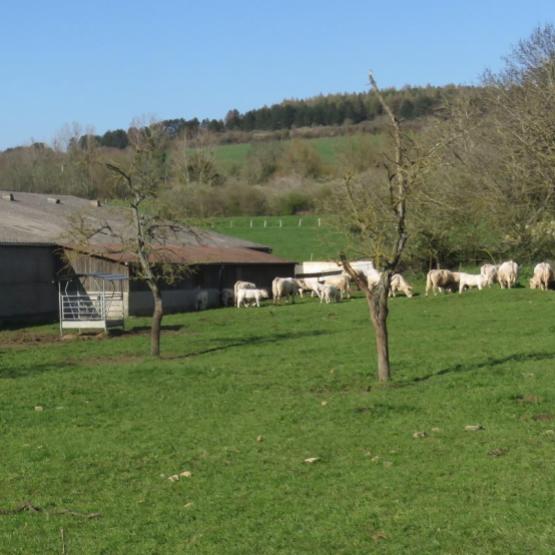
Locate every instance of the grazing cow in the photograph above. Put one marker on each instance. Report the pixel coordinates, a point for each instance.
(399, 284)
(372, 278)
(543, 275)
(438, 280)
(507, 274)
(342, 282)
(242, 285)
(227, 297)
(309, 285)
(471, 280)
(329, 293)
(201, 300)
(284, 287)
(251, 297)
(490, 272)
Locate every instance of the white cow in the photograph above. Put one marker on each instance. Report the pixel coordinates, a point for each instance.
(329, 293)
(201, 300)
(251, 297)
(543, 275)
(490, 272)
(241, 285)
(438, 280)
(372, 277)
(399, 284)
(471, 280)
(284, 287)
(342, 282)
(227, 297)
(507, 274)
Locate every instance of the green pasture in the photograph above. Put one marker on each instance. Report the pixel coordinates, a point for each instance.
(241, 398)
(329, 149)
(307, 241)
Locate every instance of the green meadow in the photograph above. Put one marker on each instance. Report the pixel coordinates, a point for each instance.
(93, 427)
(329, 149)
(295, 238)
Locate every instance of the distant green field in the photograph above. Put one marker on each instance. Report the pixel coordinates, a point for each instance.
(329, 149)
(241, 398)
(292, 241)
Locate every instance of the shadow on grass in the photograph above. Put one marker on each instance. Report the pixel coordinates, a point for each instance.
(31, 370)
(488, 363)
(249, 341)
(141, 330)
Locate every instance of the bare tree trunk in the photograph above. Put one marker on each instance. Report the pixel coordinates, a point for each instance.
(157, 315)
(377, 303)
(377, 298)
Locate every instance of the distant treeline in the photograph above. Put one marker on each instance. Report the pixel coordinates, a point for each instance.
(323, 110)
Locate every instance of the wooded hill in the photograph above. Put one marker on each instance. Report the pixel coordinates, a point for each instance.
(338, 111)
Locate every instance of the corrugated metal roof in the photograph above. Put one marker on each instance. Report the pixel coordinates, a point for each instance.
(31, 219)
(176, 254)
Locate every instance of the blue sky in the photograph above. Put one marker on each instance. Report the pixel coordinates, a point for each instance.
(104, 63)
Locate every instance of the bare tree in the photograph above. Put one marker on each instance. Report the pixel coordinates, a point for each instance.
(375, 209)
(147, 234)
(506, 149)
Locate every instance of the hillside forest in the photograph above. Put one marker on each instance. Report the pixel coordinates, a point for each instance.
(488, 194)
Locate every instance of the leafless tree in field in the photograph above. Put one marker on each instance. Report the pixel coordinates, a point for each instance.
(375, 210)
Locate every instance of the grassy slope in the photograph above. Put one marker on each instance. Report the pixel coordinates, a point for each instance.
(115, 424)
(307, 242)
(328, 148)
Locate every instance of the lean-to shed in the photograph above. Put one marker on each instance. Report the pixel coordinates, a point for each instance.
(36, 247)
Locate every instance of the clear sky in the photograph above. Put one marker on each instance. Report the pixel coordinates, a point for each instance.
(102, 63)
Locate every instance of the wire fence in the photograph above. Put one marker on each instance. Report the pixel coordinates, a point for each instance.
(313, 222)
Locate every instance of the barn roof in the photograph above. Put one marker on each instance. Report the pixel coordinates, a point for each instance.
(176, 254)
(37, 219)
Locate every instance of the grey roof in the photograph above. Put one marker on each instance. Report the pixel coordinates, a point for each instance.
(33, 219)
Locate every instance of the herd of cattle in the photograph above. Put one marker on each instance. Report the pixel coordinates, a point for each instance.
(505, 274)
(337, 287)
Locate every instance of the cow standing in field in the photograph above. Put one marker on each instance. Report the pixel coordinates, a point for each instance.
(201, 300)
(342, 283)
(241, 285)
(438, 280)
(372, 278)
(489, 271)
(398, 284)
(227, 297)
(309, 285)
(251, 297)
(471, 280)
(329, 293)
(543, 275)
(507, 274)
(284, 287)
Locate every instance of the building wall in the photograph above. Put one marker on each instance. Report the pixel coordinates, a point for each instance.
(28, 291)
(182, 296)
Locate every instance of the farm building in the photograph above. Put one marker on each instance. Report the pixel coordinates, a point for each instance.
(36, 250)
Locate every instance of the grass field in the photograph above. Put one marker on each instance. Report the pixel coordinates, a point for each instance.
(241, 398)
(329, 148)
(291, 241)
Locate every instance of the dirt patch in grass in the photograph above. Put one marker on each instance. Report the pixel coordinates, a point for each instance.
(544, 417)
(26, 338)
